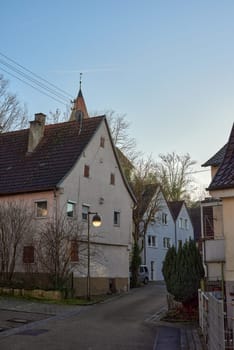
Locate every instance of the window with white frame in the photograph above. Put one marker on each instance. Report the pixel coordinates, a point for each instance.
(85, 210)
(41, 210)
(166, 242)
(71, 206)
(186, 224)
(116, 219)
(152, 241)
(164, 218)
(181, 223)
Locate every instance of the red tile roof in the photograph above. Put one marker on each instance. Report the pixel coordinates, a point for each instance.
(224, 178)
(43, 169)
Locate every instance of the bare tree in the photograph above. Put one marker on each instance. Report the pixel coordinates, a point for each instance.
(174, 175)
(58, 116)
(15, 225)
(62, 247)
(145, 187)
(12, 115)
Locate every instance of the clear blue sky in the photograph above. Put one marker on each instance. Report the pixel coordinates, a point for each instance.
(167, 64)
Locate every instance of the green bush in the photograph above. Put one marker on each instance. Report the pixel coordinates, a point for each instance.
(183, 271)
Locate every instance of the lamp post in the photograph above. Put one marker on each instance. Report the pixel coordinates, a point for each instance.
(96, 222)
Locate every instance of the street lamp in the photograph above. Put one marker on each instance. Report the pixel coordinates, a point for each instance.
(96, 222)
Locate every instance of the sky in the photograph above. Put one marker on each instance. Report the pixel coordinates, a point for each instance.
(167, 65)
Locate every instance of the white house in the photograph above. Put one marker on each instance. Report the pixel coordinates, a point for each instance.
(171, 225)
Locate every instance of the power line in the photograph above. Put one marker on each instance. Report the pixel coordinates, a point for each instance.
(37, 76)
(32, 80)
(25, 82)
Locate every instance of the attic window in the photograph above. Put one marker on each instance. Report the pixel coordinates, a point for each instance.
(164, 219)
(86, 171)
(112, 179)
(102, 142)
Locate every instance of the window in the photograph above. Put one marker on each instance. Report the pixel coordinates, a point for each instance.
(85, 210)
(71, 209)
(164, 219)
(152, 241)
(74, 250)
(181, 223)
(112, 179)
(116, 218)
(166, 242)
(102, 142)
(41, 209)
(28, 254)
(186, 226)
(86, 171)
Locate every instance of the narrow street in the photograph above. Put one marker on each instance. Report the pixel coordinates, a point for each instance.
(123, 322)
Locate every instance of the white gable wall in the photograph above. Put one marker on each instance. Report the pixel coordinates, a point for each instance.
(115, 240)
(155, 254)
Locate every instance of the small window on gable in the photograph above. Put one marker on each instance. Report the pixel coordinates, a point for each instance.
(41, 210)
(28, 254)
(85, 210)
(116, 218)
(112, 179)
(74, 250)
(86, 170)
(164, 219)
(181, 223)
(186, 225)
(71, 209)
(102, 142)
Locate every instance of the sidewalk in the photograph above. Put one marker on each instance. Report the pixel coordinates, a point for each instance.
(178, 336)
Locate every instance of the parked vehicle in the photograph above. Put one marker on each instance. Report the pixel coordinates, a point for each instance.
(143, 274)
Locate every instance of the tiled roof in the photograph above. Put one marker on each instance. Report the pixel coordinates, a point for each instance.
(224, 178)
(175, 208)
(217, 159)
(43, 169)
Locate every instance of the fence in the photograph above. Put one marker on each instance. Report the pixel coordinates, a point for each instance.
(213, 322)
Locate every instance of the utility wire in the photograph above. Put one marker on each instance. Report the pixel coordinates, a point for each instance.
(32, 80)
(25, 82)
(36, 75)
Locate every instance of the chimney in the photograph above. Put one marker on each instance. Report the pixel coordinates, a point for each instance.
(36, 131)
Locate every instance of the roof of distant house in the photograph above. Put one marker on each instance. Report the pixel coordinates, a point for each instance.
(224, 178)
(43, 169)
(175, 207)
(217, 159)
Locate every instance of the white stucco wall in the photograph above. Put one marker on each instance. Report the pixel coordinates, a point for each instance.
(116, 240)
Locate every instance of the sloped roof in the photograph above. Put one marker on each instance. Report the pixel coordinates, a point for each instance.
(147, 195)
(217, 159)
(43, 169)
(224, 178)
(175, 207)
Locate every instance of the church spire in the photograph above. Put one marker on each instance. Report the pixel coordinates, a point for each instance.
(79, 109)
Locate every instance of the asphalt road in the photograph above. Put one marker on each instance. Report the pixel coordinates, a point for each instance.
(125, 322)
